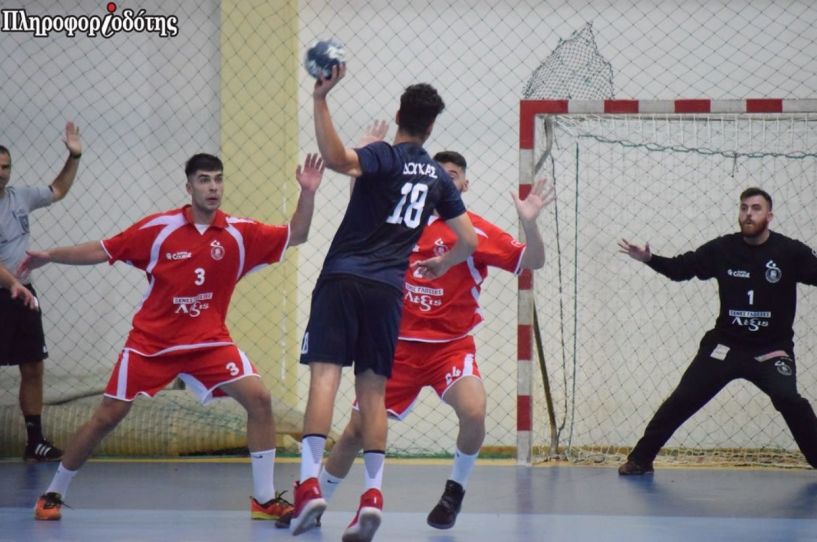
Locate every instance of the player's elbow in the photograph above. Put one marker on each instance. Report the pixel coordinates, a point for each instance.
(298, 236)
(342, 160)
(533, 261)
(57, 193)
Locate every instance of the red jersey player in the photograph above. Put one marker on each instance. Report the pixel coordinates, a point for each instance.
(435, 346)
(193, 257)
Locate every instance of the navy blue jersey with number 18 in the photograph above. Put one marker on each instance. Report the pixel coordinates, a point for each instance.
(400, 186)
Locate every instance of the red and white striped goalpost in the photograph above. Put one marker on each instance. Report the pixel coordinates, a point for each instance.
(529, 111)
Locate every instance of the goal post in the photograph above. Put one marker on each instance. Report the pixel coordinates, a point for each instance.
(616, 336)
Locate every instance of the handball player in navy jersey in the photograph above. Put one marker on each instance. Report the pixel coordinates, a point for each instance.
(357, 301)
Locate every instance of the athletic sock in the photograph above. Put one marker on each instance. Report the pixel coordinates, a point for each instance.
(311, 455)
(373, 461)
(61, 481)
(329, 483)
(34, 429)
(263, 475)
(463, 466)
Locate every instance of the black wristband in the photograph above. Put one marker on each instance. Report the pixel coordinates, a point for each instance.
(75, 156)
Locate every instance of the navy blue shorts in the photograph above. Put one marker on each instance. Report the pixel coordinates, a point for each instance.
(21, 331)
(353, 321)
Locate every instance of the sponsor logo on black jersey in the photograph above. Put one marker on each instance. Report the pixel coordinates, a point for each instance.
(738, 273)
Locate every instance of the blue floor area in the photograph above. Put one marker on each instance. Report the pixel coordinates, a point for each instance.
(194, 501)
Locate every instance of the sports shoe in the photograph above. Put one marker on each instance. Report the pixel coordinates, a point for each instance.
(273, 509)
(444, 515)
(48, 507)
(634, 468)
(368, 517)
(284, 521)
(309, 505)
(41, 452)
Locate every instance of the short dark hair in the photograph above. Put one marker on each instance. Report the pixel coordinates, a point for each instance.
(4, 150)
(202, 162)
(419, 106)
(754, 191)
(451, 157)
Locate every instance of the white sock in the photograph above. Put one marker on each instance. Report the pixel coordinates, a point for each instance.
(373, 461)
(329, 483)
(311, 454)
(463, 466)
(263, 475)
(61, 481)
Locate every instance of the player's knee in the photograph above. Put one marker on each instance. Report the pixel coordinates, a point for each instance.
(472, 414)
(106, 418)
(260, 401)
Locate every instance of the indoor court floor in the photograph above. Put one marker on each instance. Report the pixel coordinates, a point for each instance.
(204, 500)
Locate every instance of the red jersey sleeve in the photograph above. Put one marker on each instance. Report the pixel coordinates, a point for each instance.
(265, 243)
(496, 247)
(133, 245)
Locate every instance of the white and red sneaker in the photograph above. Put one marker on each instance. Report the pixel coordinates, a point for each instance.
(368, 517)
(309, 505)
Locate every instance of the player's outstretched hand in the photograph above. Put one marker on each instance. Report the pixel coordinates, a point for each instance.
(309, 176)
(542, 194)
(20, 292)
(72, 141)
(33, 260)
(634, 251)
(323, 86)
(376, 132)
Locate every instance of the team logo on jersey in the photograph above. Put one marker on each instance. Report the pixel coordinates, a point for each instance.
(738, 273)
(440, 247)
(180, 255)
(216, 250)
(783, 366)
(773, 273)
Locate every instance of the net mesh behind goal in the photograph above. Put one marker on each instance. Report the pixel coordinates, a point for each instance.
(617, 336)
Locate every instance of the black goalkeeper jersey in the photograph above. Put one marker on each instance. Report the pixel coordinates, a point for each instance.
(757, 286)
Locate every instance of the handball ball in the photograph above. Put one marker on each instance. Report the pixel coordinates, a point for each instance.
(322, 56)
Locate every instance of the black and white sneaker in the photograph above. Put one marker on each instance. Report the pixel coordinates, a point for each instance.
(41, 452)
(444, 515)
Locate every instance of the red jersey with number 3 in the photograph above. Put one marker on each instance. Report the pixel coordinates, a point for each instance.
(191, 275)
(447, 308)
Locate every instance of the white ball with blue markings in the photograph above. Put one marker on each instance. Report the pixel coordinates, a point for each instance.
(322, 56)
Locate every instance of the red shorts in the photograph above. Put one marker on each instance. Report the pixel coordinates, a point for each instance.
(203, 370)
(418, 364)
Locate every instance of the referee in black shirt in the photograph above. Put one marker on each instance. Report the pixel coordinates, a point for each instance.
(757, 272)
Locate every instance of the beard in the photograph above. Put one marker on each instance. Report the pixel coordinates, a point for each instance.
(754, 229)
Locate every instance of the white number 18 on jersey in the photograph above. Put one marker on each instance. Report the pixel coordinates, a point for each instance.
(410, 212)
